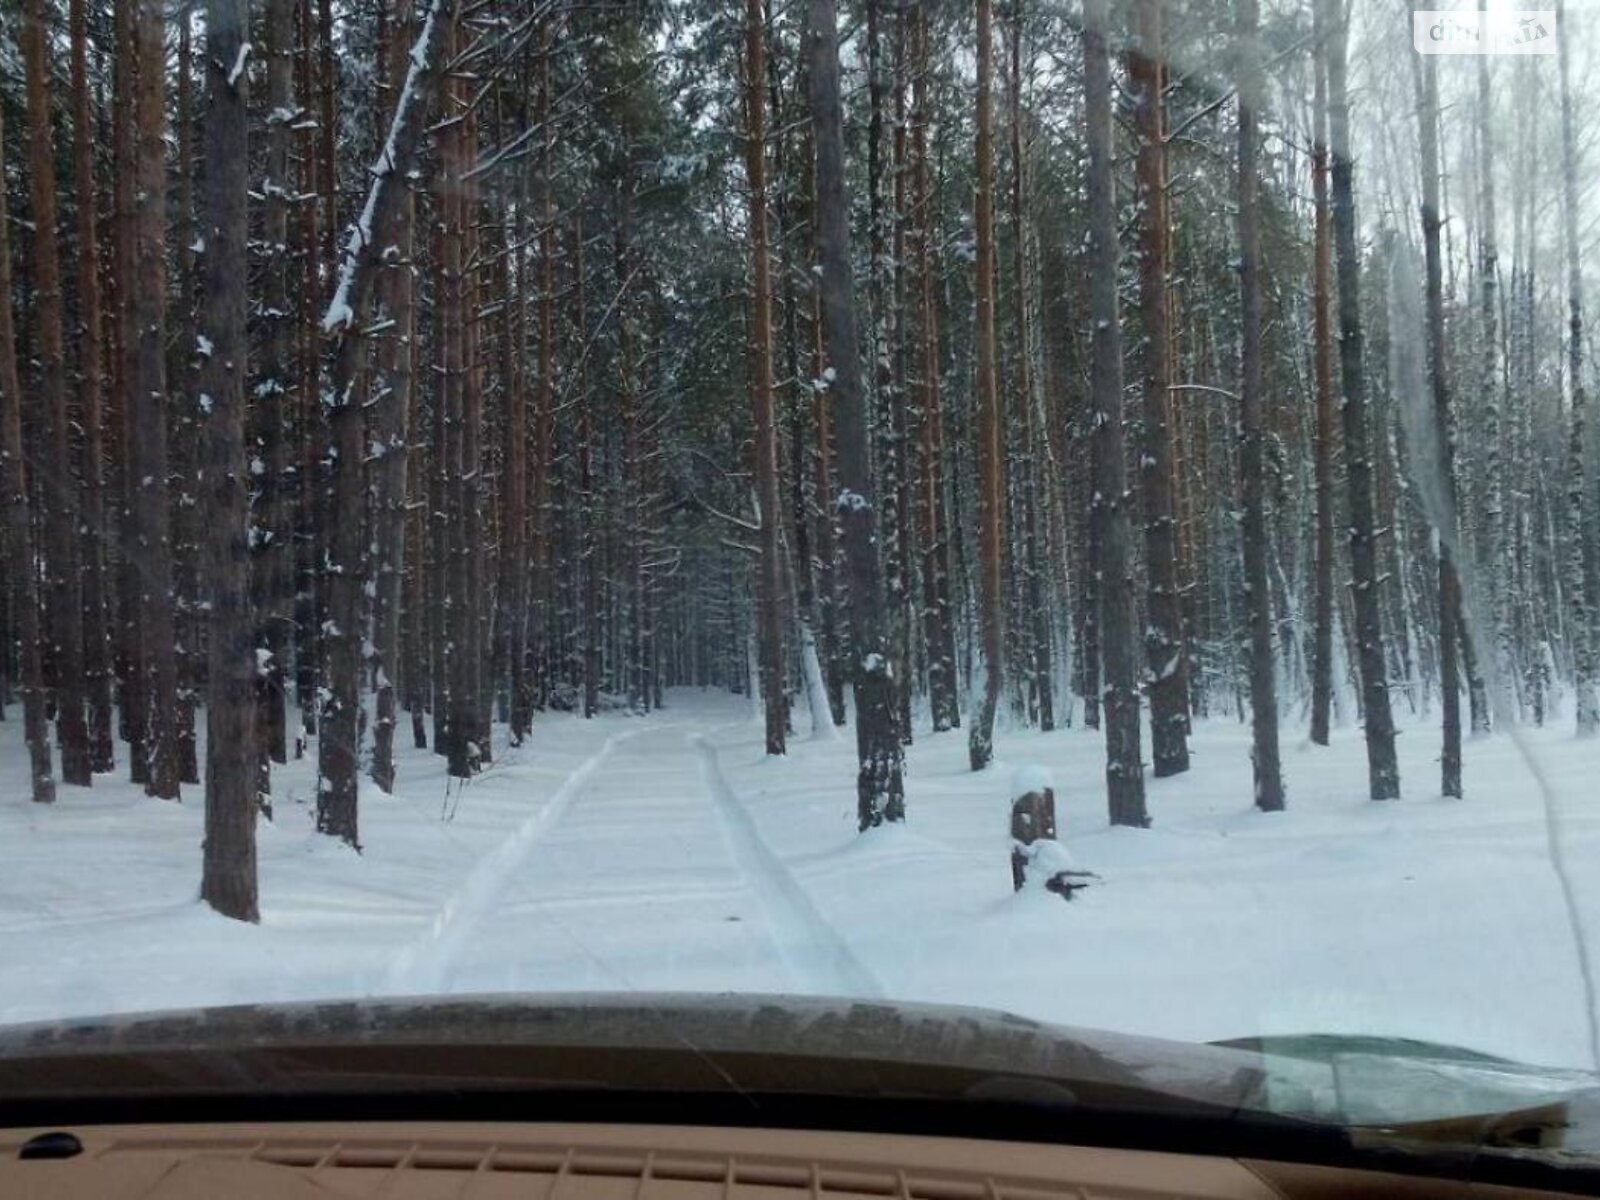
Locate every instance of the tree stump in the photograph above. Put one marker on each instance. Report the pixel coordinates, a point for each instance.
(1033, 816)
(1034, 845)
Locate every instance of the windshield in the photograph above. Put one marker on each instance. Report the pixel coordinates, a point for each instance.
(1083, 509)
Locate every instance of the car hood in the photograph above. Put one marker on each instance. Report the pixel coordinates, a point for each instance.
(721, 1058)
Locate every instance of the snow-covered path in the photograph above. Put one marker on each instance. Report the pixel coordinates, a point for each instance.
(426, 963)
(669, 853)
(641, 872)
(812, 949)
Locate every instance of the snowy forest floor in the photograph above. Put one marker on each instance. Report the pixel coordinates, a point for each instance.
(666, 853)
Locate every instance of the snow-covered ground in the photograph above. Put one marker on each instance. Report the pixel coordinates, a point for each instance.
(669, 853)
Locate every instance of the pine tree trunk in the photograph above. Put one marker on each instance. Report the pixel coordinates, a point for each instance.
(183, 416)
(1583, 584)
(587, 496)
(97, 613)
(442, 462)
(309, 519)
(768, 591)
(388, 438)
(938, 615)
(228, 879)
(1491, 546)
(1030, 478)
(274, 396)
(147, 405)
(1165, 655)
(134, 693)
(1449, 598)
(1124, 773)
(1254, 530)
(544, 457)
(63, 624)
(1382, 767)
(980, 742)
(20, 550)
(515, 619)
(1322, 352)
(898, 347)
(347, 318)
(477, 529)
(880, 791)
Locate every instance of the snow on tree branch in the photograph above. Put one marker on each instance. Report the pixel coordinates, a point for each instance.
(397, 149)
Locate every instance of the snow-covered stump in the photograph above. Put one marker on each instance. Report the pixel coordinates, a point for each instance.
(1036, 855)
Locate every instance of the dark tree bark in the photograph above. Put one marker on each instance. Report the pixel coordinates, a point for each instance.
(1166, 657)
(1449, 586)
(938, 618)
(1322, 355)
(228, 879)
(451, 307)
(63, 625)
(769, 620)
(147, 405)
(478, 605)
(991, 615)
(1382, 767)
(1124, 773)
(309, 519)
(880, 789)
(1491, 542)
(20, 549)
(272, 584)
(587, 496)
(541, 639)
(388, 443)
(1030, 484)
(97, 613)
(1252, 431)
(346, 321)
(517, 562)
(134, 693)
(183, 418)
(1583, 572)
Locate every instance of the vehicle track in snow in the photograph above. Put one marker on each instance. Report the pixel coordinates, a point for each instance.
(814, 952)
(423, 965)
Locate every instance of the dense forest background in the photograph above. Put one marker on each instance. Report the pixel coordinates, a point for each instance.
(377, 371)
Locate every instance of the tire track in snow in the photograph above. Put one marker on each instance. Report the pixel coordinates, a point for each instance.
(812, 949)
(423, 965)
